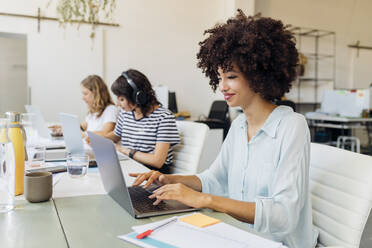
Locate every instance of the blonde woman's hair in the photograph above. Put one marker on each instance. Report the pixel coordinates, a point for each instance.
(101, 94)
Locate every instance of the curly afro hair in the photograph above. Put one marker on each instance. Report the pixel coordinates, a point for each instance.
(263, 49)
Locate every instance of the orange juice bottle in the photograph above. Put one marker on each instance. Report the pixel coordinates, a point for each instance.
(17, 136)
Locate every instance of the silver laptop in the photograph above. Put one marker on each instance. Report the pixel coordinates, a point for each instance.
(55, 148)
(42, 129)
(72, 134)
(133, 199)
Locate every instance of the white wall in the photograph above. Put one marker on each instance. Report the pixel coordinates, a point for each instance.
(13, 72)
(57, 59)
(350, 20)
(159, 38)
(57, 63)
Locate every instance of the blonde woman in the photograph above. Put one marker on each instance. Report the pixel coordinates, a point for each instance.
(102, 113)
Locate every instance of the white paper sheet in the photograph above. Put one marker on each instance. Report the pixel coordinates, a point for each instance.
(220, 235)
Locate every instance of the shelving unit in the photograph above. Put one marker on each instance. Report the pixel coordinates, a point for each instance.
(309, 42)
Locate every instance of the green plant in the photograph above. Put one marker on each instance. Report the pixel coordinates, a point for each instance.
(81, 11)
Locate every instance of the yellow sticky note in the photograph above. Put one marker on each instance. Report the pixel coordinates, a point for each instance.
(200, 220)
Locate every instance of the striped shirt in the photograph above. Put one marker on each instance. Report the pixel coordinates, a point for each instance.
(143, 134)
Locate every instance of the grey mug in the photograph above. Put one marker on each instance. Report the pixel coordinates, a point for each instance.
(38, 186)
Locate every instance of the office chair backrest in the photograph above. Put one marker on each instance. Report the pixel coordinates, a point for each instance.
(341, 194)
(188, 152)
(219, 110)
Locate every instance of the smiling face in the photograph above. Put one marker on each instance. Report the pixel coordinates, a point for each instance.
(124, 104)
(235, 88)
(87, 96)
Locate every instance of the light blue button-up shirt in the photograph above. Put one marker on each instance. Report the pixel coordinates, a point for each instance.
(272, 170)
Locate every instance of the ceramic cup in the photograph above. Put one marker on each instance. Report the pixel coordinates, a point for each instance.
(38, 186)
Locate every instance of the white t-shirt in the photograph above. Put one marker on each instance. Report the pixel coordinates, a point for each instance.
(110, 114)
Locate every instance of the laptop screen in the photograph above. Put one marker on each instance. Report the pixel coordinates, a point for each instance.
(71, 133)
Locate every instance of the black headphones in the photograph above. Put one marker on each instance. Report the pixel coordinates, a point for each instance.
(139, 96)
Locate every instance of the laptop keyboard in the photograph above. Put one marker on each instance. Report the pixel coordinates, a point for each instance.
(142, 203)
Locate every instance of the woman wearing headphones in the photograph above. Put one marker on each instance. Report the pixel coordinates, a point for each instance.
(147, 131)
(103, 113)
(261, 175)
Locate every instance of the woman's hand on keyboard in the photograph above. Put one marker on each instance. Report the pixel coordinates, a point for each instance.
(180, 192)
(152, 177)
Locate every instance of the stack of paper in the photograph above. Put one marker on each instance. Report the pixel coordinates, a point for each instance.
(182, 234)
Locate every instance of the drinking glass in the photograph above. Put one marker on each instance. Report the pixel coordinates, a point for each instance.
(77, 165)
(35, 156)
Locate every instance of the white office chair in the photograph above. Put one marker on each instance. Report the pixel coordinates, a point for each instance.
(341, 194)
(187, 153)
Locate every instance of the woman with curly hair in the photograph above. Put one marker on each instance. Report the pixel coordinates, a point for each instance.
(102, 113)
(261, 175)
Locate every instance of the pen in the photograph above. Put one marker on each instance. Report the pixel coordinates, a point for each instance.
(148, 232)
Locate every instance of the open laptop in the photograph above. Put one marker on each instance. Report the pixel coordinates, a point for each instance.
(55, 149)
(72, 134)
(133, 199)
(42, 129)
(74, 142)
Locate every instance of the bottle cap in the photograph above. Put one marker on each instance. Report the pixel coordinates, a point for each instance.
(13, 116)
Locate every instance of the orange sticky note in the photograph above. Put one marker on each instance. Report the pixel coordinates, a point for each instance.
(199, 220)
